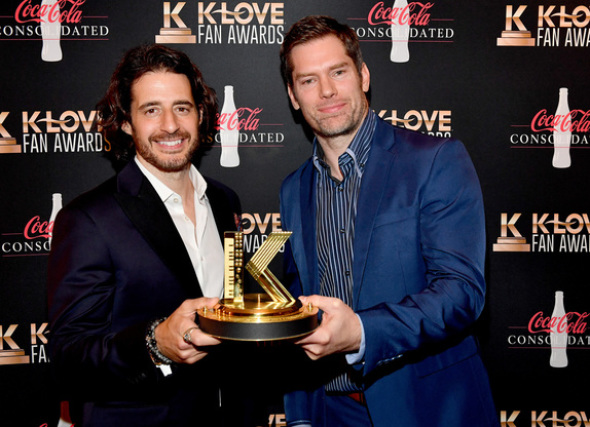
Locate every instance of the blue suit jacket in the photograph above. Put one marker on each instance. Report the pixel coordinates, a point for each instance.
(118, 262)
(418, 283)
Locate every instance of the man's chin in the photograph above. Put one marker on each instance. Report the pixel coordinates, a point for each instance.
(335, 131)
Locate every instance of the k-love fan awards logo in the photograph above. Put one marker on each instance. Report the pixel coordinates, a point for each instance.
(256, 227)
(35, 237)
(431, 122)
(50, 132)
(403, 23)
(51, 22)
(545, 418)
(561, 131)
(11, 352)
(222, 23)
(551, 25)
(548, 233)
(241, 127)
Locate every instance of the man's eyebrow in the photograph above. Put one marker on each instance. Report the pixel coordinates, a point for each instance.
(330, 68)
(183, 102)
(158, 103)
(148, 104)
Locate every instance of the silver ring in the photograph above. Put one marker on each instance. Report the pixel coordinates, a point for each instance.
(187, 335)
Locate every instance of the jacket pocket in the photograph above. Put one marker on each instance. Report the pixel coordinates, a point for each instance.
(438, 362)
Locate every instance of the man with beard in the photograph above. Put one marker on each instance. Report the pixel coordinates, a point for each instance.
(388, 242)
(135, 258)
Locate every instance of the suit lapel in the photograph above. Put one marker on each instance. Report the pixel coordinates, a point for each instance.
(142, 205)
(308, 221)
(374, 183)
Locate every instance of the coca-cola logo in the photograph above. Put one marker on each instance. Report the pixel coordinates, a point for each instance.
(415, 13)
(243, 119)
(62, 11)
(36, 228)
(574, 121)
(571, 323)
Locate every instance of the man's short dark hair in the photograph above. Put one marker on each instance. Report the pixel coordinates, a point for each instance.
(312, 28)
(115, 107)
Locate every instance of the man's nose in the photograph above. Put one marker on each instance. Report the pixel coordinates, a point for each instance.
(169, 122)
(327, 87)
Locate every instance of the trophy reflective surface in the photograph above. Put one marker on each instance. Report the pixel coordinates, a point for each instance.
(269, 316)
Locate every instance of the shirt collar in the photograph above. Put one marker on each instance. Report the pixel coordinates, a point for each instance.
(358, 149)
(164, 192)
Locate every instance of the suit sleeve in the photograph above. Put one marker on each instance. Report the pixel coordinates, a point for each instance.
(452, 245)
(81, 286)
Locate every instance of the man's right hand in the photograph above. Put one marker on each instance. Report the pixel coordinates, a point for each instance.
(170, 333)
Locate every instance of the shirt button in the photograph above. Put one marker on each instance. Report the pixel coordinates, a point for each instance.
(347, 273)
(175, 200)
(342, 230)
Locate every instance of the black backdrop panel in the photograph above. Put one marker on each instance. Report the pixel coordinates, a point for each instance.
(488, 73)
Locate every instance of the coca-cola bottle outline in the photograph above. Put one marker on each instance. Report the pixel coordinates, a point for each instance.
(229, 133)
(400, 34)
(56, 205)
(562, 134)
(558, 335)
(51, 32)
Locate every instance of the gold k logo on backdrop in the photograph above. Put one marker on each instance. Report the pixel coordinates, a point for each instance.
(513, 242)
(7, 142)
(550, 233)
(13, 355)
(556, 25)
(178, 34)
(218, 23)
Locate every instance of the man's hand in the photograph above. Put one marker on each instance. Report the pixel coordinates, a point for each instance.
(340, 330)
(170, 333)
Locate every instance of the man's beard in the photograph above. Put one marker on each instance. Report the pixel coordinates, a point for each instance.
(170, 163)
(348, 127)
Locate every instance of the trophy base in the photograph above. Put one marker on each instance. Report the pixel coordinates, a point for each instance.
(258, 318)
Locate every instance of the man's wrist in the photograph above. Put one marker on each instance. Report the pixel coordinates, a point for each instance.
(358, 356)
(152, 346)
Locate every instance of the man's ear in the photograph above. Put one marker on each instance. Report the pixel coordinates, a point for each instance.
(126, 127)
(365, 78)
(292, 97)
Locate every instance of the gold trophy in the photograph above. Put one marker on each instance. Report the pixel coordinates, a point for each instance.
(270, 316)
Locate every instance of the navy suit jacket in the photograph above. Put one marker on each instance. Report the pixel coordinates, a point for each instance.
(419, 284)
(117, 262)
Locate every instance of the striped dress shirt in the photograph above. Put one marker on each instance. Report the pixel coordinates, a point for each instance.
(336, 203)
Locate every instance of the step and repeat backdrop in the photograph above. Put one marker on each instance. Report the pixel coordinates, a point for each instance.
(508, 78)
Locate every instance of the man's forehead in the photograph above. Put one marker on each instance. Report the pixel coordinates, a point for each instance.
(160, 85)
(326, 51)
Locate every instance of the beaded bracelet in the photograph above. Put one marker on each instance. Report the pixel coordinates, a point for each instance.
(150, 341)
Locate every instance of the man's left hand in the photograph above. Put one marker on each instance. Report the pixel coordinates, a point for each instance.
(340, 330)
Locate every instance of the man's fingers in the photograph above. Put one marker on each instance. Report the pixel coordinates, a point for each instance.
(192, 305)
(197, 338)
(326, 304)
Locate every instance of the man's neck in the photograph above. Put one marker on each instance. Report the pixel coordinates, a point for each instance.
(178, 181)
(333, 147)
